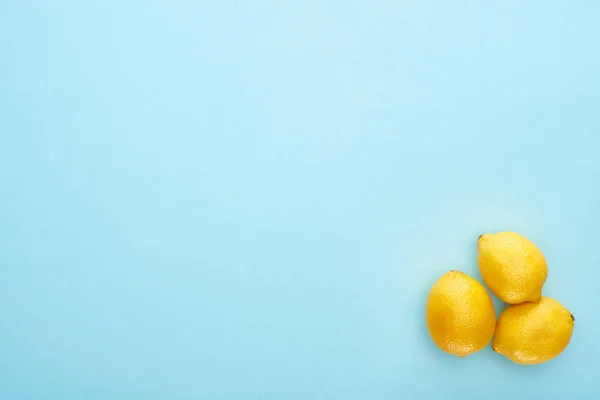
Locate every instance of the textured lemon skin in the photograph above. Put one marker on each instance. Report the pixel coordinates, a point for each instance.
(533, 333)
(460, 314)
(512, 267)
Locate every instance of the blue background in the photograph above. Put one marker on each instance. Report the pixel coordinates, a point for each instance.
(251, 199)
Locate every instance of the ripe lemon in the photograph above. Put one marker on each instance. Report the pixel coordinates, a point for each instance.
(460, 314)
(512, 267)
(533, 333)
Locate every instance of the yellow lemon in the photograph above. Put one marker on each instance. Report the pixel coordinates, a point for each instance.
(512, 267)
(460, 314)
(533, 333)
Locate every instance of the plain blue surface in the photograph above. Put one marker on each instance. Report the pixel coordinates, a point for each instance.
(250, 200)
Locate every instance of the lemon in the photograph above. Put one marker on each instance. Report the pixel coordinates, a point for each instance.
(460, 314)
(533, 333)
(512, 267)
